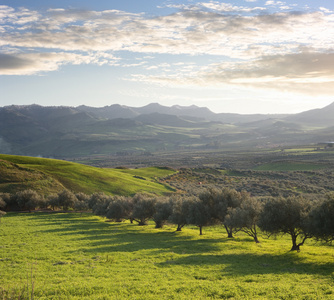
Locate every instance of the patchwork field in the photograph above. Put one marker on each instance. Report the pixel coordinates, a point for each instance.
(81, 256)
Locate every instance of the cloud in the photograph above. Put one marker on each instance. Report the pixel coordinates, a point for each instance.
(35, 63)
(225, 31)
(305, 72)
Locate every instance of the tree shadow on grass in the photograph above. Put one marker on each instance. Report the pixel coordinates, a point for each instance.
(250, 264)
(122, 237)
(104, 237)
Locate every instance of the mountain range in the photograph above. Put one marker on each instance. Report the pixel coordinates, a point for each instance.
(65, 132)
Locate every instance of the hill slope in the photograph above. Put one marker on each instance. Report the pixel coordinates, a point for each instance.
(49, 175)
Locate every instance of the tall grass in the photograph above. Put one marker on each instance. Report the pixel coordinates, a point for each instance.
(69, 256)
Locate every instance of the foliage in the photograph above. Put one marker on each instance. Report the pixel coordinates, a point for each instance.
(67, 199)
(28, 200)
(143, 208)
(245, 218)
(287, 216)
(99, 203)
(199, 215)
(119, 208)
(82, 202)
(163, 210)
(321, 224)
(217, 203)
(2, 203)
(180, 210)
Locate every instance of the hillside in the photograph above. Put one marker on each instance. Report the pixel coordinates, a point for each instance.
(68, 132)
(49, 176)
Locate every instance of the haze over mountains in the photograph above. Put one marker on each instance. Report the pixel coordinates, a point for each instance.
(66, 132)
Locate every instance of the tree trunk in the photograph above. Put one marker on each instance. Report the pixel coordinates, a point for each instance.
(200, 230)
(229, 232)
(158, 225)
(295, 246)
(255, 234)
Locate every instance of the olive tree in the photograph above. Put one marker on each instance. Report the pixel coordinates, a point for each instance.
(119, 208)
(246, 217)
(287, 216)
(67, 199)
(53, 201)
(163, 210)
(180, 210)
(99, 203)
(28, 199)
(199, 215)
(219, 201)
(143, 208)
(321, 221)
(82, 202)
(6, 200)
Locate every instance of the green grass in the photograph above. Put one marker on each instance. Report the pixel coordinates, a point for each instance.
(73, 256)
(87, 179)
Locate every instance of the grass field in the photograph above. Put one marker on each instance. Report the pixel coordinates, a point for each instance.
(87, 179)
(74, 256)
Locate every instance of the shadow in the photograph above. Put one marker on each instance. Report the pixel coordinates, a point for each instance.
(108, 237)
(124, 237)
(250, 264)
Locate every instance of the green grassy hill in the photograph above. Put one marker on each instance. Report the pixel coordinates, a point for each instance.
(49, 175)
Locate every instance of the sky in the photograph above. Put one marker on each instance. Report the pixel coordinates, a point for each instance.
(246, 56)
